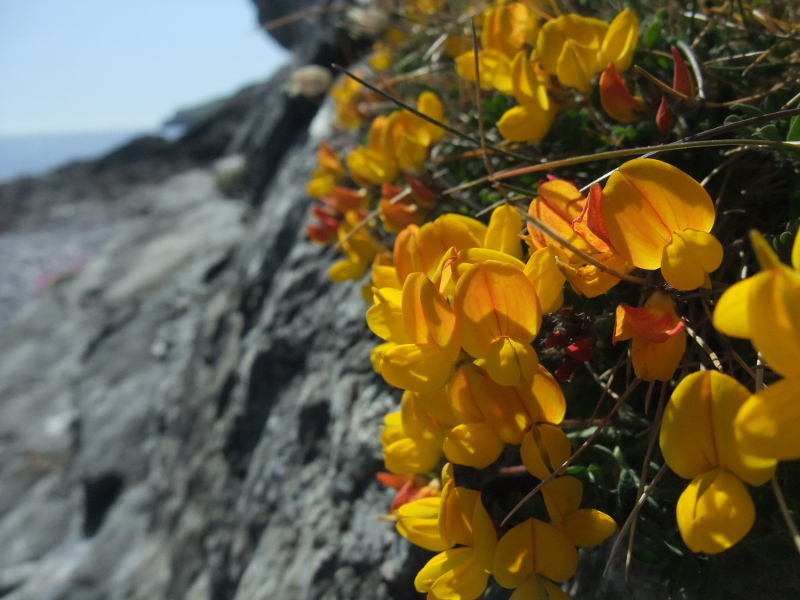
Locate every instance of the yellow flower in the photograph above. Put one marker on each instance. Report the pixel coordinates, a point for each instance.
(585, 527)
(411, 438)
(534, 551)
(506, 28)
(460, 572)
(418, 522)
(359, 247)
(544, 449)
(491, 415)
(425, 363)
(499, 315)
(569, 47)
(659, 340)
(655, 215)
(698, 443)
(420, 249)
(562, 207)
(765, 310)
(527, 122)
(620, 40)
(329, 172)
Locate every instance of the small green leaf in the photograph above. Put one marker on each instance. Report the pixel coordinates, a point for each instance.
(794, 130)
(652, 35)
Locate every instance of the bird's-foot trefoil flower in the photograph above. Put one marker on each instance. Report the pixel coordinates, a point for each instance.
(585, 527)
(765, 309)
(425, 364)
(499, 315)
(656, 216)
(659, 339)
(698, 442)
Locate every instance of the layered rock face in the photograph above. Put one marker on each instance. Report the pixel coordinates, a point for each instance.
(193, 415)
(190, 412)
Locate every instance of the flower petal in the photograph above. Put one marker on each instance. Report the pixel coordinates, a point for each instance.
(509, 362)
(547, 279)
(697, 432)
(513, 558)
(527, 122)
(408, 455)
(544, 449)
(587, 527)
(644, 202)
(768, 422)
(686, 437)
(688, 259)
(422, 368)
(427, 315)
(714, 512)
(657, 360)
(493, 300)
(503, 232)
(419, 523)
(775, 320)
(543, 398)
(734, 308)
(555, 555)
(502, 410)
(562, 496)
(442, 564)
(620, 40)
(473, 444)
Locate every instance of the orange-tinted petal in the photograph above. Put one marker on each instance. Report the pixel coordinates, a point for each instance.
(494, 300)
(617, 101)
(427, 315)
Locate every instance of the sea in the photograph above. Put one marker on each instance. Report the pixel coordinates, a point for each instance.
(31, 155)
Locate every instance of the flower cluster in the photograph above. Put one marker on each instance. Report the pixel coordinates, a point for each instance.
(466, 306)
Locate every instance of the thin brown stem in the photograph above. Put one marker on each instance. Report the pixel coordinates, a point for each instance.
(481, 129)
(634, 514)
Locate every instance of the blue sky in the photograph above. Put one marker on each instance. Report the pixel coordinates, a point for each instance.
(101, 65)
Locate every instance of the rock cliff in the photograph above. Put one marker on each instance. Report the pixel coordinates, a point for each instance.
(187, 411)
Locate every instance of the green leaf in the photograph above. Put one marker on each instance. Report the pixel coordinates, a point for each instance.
(653, 34)
(794, 130)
